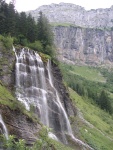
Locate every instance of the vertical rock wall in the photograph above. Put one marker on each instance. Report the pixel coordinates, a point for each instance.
(83, 45)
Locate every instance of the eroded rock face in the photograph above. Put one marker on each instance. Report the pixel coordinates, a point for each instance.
(7, 61)
(81, 37)
(73, 14)
(84, 46)
(20, 125)
(63, 93)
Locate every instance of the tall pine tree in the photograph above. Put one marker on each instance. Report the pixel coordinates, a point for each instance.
(45, 34)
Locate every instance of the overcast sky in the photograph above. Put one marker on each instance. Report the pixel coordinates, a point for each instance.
(25, 5)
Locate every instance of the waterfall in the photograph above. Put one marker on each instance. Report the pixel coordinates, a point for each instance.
(34, 86)
(30, 82)
(3, 128)
(68, 126)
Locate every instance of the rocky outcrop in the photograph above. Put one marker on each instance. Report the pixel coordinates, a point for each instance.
(20, 125)
(65, 13)
(7, 61)
(81, 37)
(84, 45)
(63, 92)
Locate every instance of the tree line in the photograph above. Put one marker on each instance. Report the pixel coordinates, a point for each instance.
(96, 92)
(25, 30)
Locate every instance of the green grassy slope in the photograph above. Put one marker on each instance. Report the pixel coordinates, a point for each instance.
(95, 125)
(98, 132)
(89, 73)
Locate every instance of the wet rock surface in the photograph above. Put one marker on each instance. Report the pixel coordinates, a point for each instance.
(20, 125)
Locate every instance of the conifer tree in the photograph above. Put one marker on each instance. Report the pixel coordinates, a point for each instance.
(45, 34)
(104, 102)
(31, 29)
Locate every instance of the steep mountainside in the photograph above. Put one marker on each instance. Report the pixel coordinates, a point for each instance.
(77, 15)
(36, 93)
(84, 46)
(82, 37)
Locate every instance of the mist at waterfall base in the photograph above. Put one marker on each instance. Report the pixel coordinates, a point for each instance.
(34, 86)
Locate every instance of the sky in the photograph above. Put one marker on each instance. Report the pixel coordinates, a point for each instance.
(25, 5)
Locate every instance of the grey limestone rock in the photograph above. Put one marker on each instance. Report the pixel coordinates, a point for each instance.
(89, 46)
(66, 13)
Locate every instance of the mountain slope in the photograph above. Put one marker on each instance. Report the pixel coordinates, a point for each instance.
(94, 124)
(76, 15)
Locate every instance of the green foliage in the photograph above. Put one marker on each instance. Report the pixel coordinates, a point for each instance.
(26, 32)
(44, 57)
(104, 102)
(37, 45)
(45, 34)
(6, 98)
(95, 139)
(7, 18)
(11, 144)
(43, 143)
(7, 41)
(50, 50)
(82, 80)
(98, 133)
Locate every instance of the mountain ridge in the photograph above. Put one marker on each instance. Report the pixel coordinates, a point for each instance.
(77, 15)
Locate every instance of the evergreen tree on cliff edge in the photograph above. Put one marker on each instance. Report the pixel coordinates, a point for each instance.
(45, 34)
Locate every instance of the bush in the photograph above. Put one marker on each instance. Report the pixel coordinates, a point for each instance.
(50, 50)
(21, 40)
(13, 144)
(7, 41)
(104, 102)
(37, 46)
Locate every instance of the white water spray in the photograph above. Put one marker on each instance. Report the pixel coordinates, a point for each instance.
(3, 127)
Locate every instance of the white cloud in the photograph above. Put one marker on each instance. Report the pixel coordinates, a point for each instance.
(24, 5)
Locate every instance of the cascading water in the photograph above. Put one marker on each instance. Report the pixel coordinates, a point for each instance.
(34, 86)
(30, 82)
(65, 125)
(3, 128)
(68, 129)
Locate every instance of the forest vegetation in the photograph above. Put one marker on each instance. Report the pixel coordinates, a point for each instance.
(24, 30)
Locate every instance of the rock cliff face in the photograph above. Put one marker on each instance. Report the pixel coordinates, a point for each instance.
(7, 60)
(84, 46)
(20, 125)
(82, 37)
(73, 14)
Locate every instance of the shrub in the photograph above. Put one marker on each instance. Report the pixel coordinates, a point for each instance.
(7, 41)
(36, 46)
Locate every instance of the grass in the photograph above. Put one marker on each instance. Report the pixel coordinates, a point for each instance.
(59, 146)
(102, 122)
(95, 139)
(89, 73)
(7, 99)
